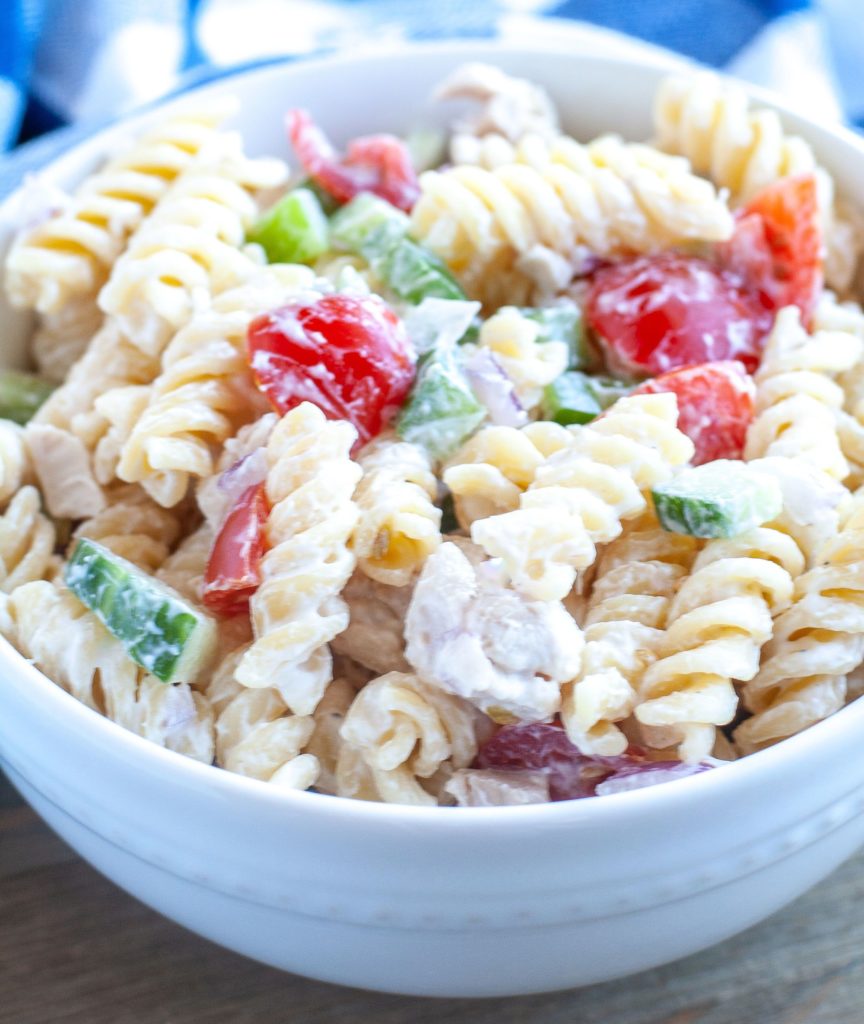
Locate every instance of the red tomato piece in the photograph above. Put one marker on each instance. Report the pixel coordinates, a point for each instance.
(349, 356)
(233, 571)
(545, 747)
(659, 313)
(777, 245)
(372, 163)
(715, 406)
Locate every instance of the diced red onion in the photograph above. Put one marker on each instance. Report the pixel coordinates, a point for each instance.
(245, 473)
(640, 776)
(494, 389)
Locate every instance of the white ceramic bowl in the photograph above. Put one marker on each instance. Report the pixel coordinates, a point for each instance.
(431, 901)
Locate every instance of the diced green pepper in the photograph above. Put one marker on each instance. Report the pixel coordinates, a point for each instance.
(720, 499)
(21, 394)
(295, 230)
(575, 397)
(163, 633)
(441, 411)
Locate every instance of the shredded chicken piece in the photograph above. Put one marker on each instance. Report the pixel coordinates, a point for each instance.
(488, 787)
(474, 637)
(509, 106)
(374, 634)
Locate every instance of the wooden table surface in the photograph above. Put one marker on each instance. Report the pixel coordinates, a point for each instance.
(75, 949)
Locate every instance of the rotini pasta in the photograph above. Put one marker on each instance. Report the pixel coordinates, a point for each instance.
(134, 527)
(637, 576)
(67, 256)
(15, 468)
(297, 610)
(712, 124)
(69, 644)
(797, 399)
(613, 198)
(188, 249)
(27, 542)
(530, 365)
(62, 338)
(816, 641)
(399, 526)
(405, 731)
(202, 396)
(257, 736)
(581, 494)
(718, 621)
(491, 470)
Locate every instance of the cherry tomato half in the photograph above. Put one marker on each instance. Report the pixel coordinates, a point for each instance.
(372, 163)
(233, 571)
(653, 314)
(715, 406)
(777, 245)
(349, 356)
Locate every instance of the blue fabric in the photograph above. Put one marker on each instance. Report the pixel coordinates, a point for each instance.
(75, 66)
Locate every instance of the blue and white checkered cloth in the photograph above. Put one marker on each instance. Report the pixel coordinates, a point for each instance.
(67, 66)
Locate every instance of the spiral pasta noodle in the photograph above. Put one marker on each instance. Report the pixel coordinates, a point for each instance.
(297, 609)
(204, 393)
(717, 623)
(712, 124)
(406, 731)
(488, 474)
(399, 526)
(581, 494)
(797, 397)
(15, 466)
(67, 256)
(511, 337)
(69, 644)
(613, 198)
(134, 527)
(189, 248)
(257, 736)
(637, 576)
(27, 542)
(816, 642)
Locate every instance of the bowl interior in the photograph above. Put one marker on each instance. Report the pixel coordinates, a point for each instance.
(391, 92)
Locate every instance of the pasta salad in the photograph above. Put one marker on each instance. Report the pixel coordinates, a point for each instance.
(491, 469)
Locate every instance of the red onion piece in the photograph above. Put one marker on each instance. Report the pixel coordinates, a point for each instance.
(245, 473)
(494, 389)
(640, 776)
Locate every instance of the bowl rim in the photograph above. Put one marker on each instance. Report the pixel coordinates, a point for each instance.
(46, 695)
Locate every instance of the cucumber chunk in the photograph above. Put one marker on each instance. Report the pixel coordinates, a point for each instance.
(21, 394)
(370, 227)
(353, 224)
(720, 499)
(564, 323)
(161, 632)
(441, 411)
(575, 397)
(295, 230)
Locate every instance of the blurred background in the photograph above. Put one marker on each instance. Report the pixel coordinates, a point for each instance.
(75, 64)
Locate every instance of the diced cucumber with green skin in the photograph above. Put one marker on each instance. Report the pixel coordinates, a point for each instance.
(161, 632)
(328, 203)
(441, 411)
(565, 323)
(21, 395)
(295, 230)
(414, 273)
(355, 223)
(720, 499)
(370, 227)
(575, 397)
